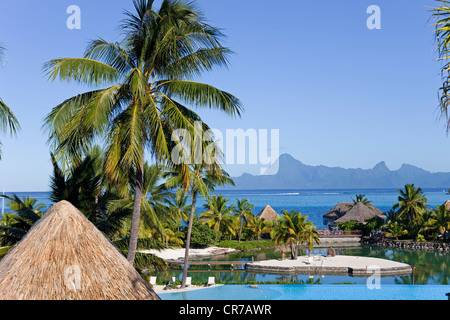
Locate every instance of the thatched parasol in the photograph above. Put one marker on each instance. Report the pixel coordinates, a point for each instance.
(65, 257)
(268, 214)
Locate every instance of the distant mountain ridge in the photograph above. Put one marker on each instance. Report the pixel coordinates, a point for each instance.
(293, 174)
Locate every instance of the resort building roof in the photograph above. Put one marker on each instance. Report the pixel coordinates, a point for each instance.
(65, 257)
(349, 211)
(268, 214)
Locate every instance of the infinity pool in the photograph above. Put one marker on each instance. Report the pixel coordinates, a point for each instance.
(313, 292)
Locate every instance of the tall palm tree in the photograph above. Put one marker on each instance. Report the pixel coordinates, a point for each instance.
(411, 202)
(294, 229)
(149, 78)
(244, 210)
(219, 215)
(201, 180)
(8, 121)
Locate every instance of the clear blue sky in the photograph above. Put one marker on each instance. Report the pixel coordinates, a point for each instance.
(340, 94)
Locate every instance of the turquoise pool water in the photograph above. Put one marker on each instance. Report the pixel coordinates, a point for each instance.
(313, 292)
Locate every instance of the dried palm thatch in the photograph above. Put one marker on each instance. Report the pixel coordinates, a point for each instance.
(268, 214)
(359, 213)
(65, 257)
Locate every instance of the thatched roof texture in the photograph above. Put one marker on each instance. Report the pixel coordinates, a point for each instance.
(268, 214)
(65, 257)
(347, 211)
(359, 212)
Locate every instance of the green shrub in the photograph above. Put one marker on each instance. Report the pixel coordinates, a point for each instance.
(202, 236)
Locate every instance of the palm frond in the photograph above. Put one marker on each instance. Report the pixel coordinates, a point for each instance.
(82, 70)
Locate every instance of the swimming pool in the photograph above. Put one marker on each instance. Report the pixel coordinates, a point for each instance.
(313, 292)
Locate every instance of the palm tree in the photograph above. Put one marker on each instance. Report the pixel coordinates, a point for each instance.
(200, 180)
(260, 226)
(441, 15)
(294, 229)
(310, 235)
(218, 214)
(440, 219)
(179, 208)
(360, 198)
(8, 121)
(396, 230)
(148, 77)
(85, 186)
(153, 209)
(411, 202)
(24, 214)
(244, 210)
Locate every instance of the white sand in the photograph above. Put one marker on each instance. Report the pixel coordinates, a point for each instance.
(358, 264)
(178, 254)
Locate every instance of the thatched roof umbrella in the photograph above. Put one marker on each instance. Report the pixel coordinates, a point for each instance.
(268, 214)
(360, 212)
(65, 257)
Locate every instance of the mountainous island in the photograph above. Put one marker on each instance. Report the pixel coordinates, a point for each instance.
(293, 174)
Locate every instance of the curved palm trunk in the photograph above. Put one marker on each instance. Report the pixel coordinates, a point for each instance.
(188, 239)
(136, 217)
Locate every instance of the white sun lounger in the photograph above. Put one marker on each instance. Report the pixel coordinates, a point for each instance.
(211, 281)
(153, 281)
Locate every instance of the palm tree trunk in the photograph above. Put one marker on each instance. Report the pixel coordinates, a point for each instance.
(136, 217)
(188, 239)
(240, 229)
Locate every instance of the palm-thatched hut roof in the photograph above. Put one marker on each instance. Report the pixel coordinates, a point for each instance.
(65, 257)
(359, 212)
(342, 212)
(338, 210)
(268, 214)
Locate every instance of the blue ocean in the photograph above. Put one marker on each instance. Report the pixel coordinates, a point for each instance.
(313, 203)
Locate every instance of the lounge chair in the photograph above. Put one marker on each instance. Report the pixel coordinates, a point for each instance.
(188, 281)
(211, 281)
(153, 281)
